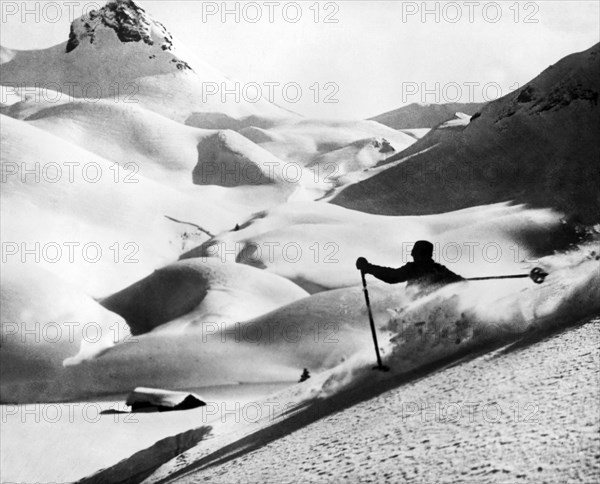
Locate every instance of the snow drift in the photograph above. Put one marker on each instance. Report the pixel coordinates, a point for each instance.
(47, 325)
(316, 244)
(203, 290)
(95, 203)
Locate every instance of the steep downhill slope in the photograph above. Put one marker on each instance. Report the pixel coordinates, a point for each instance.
(119, 52)
(431, 428)
(419, 115)
(538, 145)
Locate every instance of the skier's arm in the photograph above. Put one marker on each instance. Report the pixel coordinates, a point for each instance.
(451, 276)
(389, 275)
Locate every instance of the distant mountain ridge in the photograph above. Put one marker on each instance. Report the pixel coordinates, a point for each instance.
(418, 115)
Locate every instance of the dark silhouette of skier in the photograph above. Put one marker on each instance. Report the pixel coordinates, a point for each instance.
(305, 376)
(423, 272)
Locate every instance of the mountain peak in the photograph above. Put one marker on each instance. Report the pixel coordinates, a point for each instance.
(129, 21)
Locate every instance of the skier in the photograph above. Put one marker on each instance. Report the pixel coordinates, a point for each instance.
(423, 272)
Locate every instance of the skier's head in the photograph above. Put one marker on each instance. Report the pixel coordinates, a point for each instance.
(422, 251)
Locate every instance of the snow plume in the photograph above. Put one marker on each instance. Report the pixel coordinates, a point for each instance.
(458, 319)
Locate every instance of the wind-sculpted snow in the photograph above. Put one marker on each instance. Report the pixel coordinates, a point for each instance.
(316, 244)
(327, 150)
(164, 149)
(48, 325)
(228, 159)
(174, 153)
(203, 291)
(309, 141)
(113, 205)
(190, 330)
(169, 152)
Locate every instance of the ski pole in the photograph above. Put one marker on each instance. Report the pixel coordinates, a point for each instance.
(380, 365)
(537, 274)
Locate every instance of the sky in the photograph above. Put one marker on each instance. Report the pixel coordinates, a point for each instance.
(352, 59)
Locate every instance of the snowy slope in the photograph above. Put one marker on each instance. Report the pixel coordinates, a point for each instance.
(47, 324)
(94, 203)
(166, 150)
(203, 290)
(426, 341)
(110, 87)
(317, 153)
(216, 315)
(304, 141)
(538, 145)
(316, 244)
(432, 428)
(216, 254)
(204, 302)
